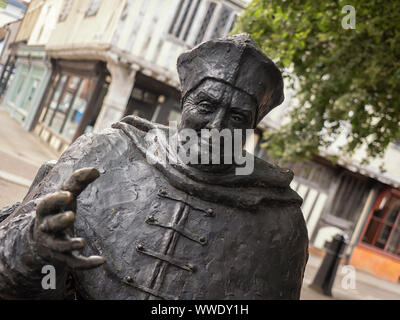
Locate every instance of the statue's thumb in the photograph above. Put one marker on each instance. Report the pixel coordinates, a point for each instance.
(79, 180)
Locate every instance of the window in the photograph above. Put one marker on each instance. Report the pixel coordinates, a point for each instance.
(217, 23)
(32, 86)
(383, 230)
(93, 8)
(350, 196)
(222, 23)
(183, 18)
(65, 10)
(205, 23)
(68, 103)
(232, 23)
(152, 105)
(215, 20)
(177, 15)
(20, 83)
(83, 90)
(143, 103)
(192, 16)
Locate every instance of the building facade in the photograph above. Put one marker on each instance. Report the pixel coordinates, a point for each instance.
(9, 47)
(129, 49)
(378, 245)
(11, 14)
(33, 68)
(11, 10)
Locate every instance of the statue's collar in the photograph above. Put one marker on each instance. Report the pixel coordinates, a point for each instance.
(266, 183)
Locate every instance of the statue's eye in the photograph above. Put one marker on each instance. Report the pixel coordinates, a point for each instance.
(205, 106)
(237, 117)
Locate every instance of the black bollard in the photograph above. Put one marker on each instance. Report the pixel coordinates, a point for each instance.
(326, 274)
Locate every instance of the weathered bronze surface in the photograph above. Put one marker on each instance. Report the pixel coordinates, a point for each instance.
(117, 227)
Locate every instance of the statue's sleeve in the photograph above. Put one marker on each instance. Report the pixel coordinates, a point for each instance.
(17, 255)
(20, 266)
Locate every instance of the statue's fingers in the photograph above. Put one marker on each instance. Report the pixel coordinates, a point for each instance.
(78, 262)
(54, 203)
(61, 245)
(79, 180)
(58, 222)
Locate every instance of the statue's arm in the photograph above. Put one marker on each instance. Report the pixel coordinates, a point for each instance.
(20, 264)
(39, 231)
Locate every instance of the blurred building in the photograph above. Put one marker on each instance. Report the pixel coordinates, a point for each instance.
(32, 65)
(350, 198)
(82, 65)
(377, 247)
(11, 10)
(120, 58)
(9, 46)
(11, 13)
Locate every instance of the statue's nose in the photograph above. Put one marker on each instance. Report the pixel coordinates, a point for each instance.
(217, 121)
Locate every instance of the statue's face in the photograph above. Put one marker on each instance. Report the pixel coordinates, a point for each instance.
(216, 105)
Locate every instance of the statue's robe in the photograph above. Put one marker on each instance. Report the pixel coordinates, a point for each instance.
(172, 232)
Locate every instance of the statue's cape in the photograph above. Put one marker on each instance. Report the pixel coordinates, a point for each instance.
(266, 183)
(201, 236)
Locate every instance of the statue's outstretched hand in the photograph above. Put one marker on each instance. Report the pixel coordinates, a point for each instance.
(55, 217)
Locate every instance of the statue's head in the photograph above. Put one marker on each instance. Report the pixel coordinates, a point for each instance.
(227, 84)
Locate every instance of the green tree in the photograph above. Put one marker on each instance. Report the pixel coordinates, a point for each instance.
(349, 76)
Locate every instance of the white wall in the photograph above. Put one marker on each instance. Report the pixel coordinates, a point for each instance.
(46, 22)
(135, 28)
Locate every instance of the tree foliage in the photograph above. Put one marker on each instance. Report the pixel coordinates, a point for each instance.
(345, 76)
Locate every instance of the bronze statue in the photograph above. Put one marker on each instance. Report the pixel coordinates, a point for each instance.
(134, 229)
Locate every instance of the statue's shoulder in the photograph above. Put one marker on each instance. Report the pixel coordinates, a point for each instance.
(271, 177)
(139, 126)
(99, 146)
(268, 174)
(99, 149)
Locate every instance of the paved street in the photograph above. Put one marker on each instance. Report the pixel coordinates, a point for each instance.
(367, 287)
(22, 153)
(10, 193)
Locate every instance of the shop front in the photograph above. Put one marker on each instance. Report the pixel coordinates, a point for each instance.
(32, 73)
(153, 100)
(378, 249)
(72, 102)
